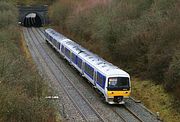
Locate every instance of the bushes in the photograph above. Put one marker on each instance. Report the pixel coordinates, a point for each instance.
(22, 90)
(8, 14)
(173, 74)
(17, 106)
(60, 12)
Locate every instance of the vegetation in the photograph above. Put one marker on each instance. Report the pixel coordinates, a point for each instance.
(156, 98)
(33, 2)
(140, 36)
(22, 90)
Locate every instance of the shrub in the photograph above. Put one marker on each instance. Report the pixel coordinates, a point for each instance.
(173, 74)
(60, 11)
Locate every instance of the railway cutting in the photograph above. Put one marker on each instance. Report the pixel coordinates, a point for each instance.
(79, 106)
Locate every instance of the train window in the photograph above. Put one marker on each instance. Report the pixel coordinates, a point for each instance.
(101, 79)
(59, 46)
(118, 83)
(89, 71)
(57, 43)
(51, 39)
(62, 49)
(73, 58)
(67, 52)
(54, 42)
(79, 62)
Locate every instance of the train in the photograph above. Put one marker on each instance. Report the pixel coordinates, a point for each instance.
(111, 82)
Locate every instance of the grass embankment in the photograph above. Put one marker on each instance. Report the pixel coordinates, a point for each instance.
(156, 99)
(22, 90)
(139, 36)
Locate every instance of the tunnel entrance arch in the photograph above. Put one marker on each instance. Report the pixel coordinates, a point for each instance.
(36, 16)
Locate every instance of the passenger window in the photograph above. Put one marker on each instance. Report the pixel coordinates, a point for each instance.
(62, 49)
(59, 46)
(79, 62)
(89, 70)
(73, 58)
(101, 79)
(67, 53)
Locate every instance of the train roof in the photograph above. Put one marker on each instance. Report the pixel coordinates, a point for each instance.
(103, 66)
(94, 60)
(55, 35)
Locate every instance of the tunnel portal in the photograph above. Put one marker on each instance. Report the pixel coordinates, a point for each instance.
(32, 20)
(33, 16)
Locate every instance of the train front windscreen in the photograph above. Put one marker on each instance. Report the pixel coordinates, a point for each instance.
(118, 84)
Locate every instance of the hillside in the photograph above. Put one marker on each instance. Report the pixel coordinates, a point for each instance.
(139, 36)
(22, 90)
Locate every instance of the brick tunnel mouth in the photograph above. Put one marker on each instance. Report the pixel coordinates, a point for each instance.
(32, 20)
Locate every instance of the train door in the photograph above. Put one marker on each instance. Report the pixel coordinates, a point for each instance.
(95, 78)
(59, 46)
(82, 67)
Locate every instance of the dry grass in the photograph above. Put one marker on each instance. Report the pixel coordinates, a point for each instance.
(24, 49)
(88, 4)
(156, 99)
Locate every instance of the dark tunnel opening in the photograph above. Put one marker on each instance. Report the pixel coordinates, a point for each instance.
(32, 20)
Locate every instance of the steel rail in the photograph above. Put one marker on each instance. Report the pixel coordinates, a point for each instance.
(119, 115)
(133, 113)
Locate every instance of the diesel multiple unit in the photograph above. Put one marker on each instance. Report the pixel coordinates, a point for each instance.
(111, 82)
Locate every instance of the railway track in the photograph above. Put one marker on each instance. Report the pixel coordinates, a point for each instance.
(86, 108)
(47, 74)
(83, 106)
(136, 118)
(126, 114)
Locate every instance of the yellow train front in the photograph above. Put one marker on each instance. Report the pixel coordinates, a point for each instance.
(113, 83)
(117, 89)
